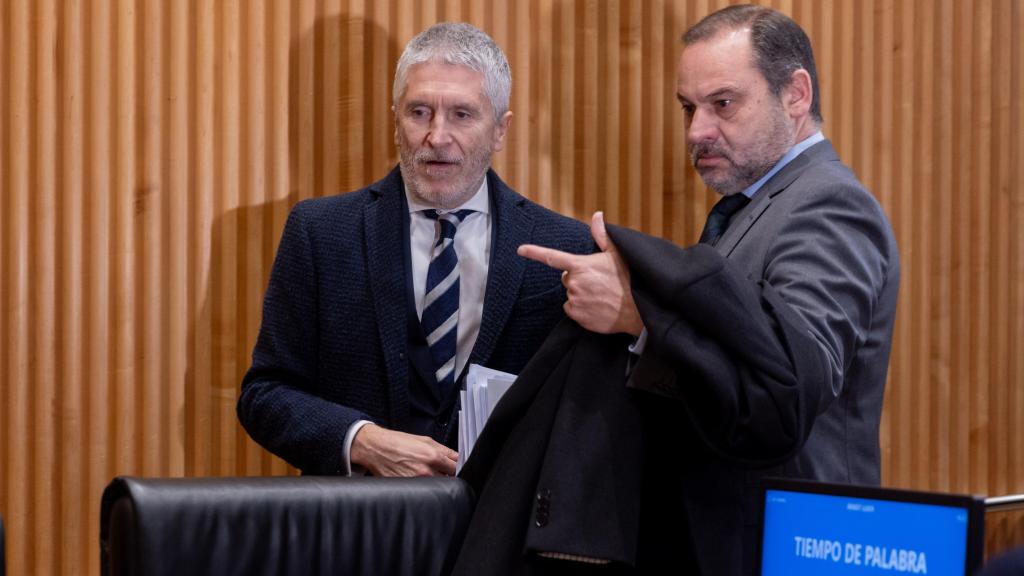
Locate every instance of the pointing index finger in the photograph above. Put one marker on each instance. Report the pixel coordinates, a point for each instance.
(549, 256)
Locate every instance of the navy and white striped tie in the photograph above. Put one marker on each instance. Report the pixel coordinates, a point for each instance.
(440, 319)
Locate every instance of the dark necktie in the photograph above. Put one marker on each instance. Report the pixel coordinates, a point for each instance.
(440, 317)
(718, 219)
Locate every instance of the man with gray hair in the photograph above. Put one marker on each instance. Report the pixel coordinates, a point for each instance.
(380, 299)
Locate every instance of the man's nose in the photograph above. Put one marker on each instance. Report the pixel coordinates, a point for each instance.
(703, 127)
(439, 134)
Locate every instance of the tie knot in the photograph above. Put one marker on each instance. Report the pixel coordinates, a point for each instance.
(449, 220)
(730, 204)
(719, 217)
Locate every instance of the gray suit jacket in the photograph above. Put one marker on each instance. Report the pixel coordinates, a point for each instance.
(812, 255)
(817, 236)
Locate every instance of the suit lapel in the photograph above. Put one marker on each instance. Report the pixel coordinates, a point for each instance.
(386, 266)
(762, 201)
(511, 227)
(744, 221)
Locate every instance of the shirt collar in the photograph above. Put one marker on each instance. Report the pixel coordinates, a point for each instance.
(795, 151)
(478, 203)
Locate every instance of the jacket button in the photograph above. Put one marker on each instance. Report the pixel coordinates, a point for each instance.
(541, 519)
(543, 509)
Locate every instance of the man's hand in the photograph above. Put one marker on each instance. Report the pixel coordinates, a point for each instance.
(600, 298)
(392, 453)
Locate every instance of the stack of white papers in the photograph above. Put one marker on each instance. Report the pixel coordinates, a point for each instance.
(484, 387)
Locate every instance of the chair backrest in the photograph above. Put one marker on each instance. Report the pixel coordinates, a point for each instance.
(282, 525)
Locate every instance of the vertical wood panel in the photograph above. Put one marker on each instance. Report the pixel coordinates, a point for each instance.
(899, 395)
(882, 128)
(150, 152)
(923, 217)
(97, 313)
(126, 389)
(16, 280)
(1015, 314)
(998, 206)
(5, 243)
(175, 168)
(151, 239)
(942, 248)
(960, 277)
(72, 403)
(224, 256)
(42, 280)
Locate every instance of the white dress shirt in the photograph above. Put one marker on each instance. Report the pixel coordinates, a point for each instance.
(473, 246)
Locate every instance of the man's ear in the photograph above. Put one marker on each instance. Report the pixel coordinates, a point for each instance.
(798, 94)
(394, 116)
(500, 129)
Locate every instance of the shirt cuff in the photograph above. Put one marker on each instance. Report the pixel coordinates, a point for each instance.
(641, 342)
(346, 451)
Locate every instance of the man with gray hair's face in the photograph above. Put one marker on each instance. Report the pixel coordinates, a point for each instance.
(381, 298)
(451, 112)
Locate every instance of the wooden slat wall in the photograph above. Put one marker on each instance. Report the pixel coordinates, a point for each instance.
(150, 151)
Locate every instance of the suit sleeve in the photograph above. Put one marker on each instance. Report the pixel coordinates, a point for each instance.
(278, 406)
(829, 264)
(754, 360)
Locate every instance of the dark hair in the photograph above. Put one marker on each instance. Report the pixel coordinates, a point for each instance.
(780, 46)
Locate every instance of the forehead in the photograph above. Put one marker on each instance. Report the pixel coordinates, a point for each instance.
(431, 80)
(723, 62)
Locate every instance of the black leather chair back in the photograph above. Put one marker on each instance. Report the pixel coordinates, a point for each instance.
(282, 525)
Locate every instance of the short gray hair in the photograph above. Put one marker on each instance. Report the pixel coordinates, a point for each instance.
(464, 45)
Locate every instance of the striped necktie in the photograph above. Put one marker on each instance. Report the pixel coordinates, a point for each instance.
(440, 317)
(718, 219)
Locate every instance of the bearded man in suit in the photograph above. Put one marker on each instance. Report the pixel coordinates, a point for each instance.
(379, 299)
(763, 349)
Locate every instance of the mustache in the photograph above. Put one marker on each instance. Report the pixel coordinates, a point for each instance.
(430, 156)
(698, 151)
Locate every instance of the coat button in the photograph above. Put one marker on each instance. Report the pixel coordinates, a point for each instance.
(543, 508)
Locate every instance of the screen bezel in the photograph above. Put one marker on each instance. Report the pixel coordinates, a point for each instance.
(973, 505)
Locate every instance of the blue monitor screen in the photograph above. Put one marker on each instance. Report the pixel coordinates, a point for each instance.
(825, 534)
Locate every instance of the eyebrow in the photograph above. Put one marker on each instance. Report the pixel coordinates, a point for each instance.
(729, 91)
(452, 104)
(722, 92)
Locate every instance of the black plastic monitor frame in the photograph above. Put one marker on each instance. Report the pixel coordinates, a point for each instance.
(973, 505)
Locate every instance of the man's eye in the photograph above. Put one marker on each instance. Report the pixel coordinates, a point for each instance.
(688, 109)
(463, 114)
(419, 112)
(723, 104)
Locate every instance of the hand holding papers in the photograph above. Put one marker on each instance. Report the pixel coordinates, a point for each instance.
(484, 387)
